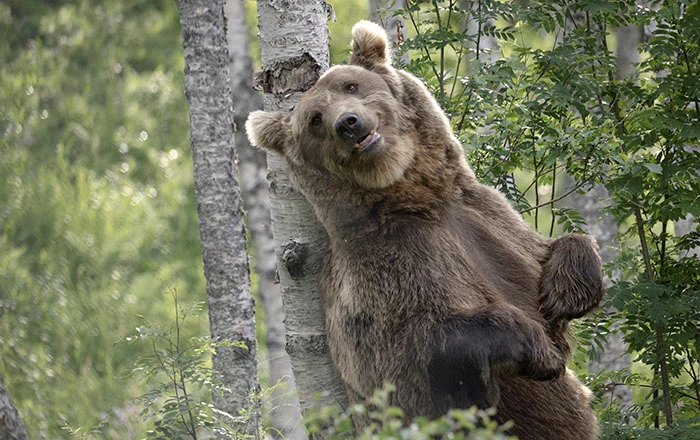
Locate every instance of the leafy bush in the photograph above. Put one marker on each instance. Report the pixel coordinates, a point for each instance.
(386, 422)
(182, 381)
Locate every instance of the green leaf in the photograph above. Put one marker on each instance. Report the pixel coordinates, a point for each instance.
(654, 168)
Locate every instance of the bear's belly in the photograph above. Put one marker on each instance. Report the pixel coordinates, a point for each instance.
(384, 298)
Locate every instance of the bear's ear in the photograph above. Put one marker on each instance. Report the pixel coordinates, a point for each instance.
(370, 46)
(267, 130)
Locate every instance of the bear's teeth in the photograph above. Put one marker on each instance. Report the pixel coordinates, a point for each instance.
(367, 141)
(363, 139)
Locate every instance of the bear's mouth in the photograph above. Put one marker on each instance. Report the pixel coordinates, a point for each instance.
(367, 141)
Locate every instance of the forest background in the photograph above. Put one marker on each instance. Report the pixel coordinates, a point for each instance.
(98, 227)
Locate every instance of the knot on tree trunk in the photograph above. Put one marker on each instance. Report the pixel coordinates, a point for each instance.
(293, 257)
(297, 74)
(307, 343)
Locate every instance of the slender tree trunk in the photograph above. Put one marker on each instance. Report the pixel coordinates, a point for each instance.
(627, 54)
(223, 240)
(613, 354)
(384, 12)
(11, 426)
(285, 414)
(485, 48)
(294, 48)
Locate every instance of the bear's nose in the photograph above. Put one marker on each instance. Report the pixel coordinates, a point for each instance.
(349, 127)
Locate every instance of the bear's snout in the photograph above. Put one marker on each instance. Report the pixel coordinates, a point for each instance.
(350, 127)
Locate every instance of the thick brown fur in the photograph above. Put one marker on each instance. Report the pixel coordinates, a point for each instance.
(431, 281)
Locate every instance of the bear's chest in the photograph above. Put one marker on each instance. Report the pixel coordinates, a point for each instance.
(394, 279)
(372, 342)
(377, 303)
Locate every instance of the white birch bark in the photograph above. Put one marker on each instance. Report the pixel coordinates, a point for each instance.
(627, 53)
(222, 233)
(689, 223)
(685, 226)
(384, 13)
(11, 426)
(613, 353)
(486, 48)
(294, 49)
(285, 415)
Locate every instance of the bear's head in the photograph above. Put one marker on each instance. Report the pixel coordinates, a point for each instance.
(352, 123)
(365, 125)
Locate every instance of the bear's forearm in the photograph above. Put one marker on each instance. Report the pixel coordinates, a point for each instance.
(471, 350)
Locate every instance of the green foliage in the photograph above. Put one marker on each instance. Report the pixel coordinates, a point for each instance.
(685, 429)
(177, 371)
(181, 378)
(550, 108)
(529, 116)
(96, 206)
(383, 421)
(653, 182)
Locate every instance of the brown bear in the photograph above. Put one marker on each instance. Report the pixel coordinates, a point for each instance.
(431, 280)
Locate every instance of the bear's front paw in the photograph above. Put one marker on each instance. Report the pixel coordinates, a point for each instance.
(538, 371)
(543, 362)
(458, 382)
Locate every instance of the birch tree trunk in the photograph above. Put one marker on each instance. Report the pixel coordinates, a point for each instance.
(383, 12)
(11, 426)
(221, 229)
(485, 48)
(294, 49)
(613, 354)
(627, 54)
(689, 223)
(285, 416)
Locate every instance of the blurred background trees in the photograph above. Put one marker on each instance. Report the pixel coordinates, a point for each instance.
(97, 214)
(98, 223)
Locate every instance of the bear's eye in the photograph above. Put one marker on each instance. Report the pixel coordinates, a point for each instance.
(351, 88)
(316, 119)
